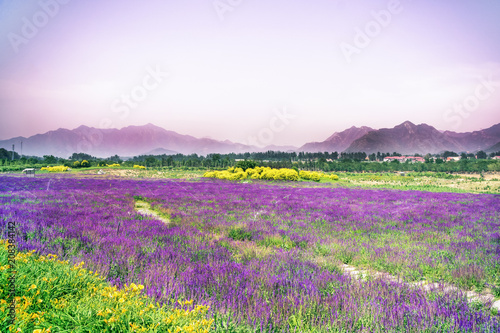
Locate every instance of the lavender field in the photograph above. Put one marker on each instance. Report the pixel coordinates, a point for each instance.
(267, 257)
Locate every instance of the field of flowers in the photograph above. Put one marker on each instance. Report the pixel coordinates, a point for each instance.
(55, 297)
(266, 258)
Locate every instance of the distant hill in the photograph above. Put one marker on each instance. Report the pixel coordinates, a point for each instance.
(338, 141)
(477, 140)
(161, 151)
(493, 149)
(408, 138)
(128, 141)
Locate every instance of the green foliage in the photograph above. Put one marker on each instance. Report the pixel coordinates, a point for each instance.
(322, 250)
(240, 234)
(81, 164)
(246, 165)
(5, 154)
(278, 242)
(81, 156)
(49, 159)
(495, 290)
(481, 155)
(319, 161)
(346, 256)
(139, 198)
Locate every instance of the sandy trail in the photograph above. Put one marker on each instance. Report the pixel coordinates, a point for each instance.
(144, 208)
(472, 296)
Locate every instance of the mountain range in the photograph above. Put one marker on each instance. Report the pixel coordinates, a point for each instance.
(128, 141)
(406, 138)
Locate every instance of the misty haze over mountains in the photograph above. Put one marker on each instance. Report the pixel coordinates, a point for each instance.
(406, 138)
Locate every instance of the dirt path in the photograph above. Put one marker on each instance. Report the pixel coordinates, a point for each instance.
(144, 208)
(472, 296)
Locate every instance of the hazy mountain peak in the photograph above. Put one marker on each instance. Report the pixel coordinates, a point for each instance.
(338, 141)
(407, 124)
(408, 138)
(128, 141)
(79, 128)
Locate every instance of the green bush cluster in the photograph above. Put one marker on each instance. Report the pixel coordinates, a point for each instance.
(240, 234)
(316, 176)
(81, 164)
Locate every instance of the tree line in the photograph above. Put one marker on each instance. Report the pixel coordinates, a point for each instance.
(319, 161)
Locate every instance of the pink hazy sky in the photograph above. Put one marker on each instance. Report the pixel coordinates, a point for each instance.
(232, 65)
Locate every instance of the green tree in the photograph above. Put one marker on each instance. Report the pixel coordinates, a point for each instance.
(447, 154)
(246, 165)
(81, 156)
(481, 155)
(150, 161)
(49, 159)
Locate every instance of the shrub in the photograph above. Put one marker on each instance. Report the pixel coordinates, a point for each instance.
(277, 241)
(310, 175)
(246, 165)
(228, 175)
(267, 173)
(239, 233)
(59, 168)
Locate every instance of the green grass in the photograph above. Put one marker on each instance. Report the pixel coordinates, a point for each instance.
(421, 181)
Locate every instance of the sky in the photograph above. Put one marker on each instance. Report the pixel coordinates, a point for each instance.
(279, 71)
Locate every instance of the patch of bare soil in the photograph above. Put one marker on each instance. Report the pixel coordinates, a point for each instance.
(472, 296)
(144, 208)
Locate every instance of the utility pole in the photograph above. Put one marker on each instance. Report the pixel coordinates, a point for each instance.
(12, 152)
(21, 149)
